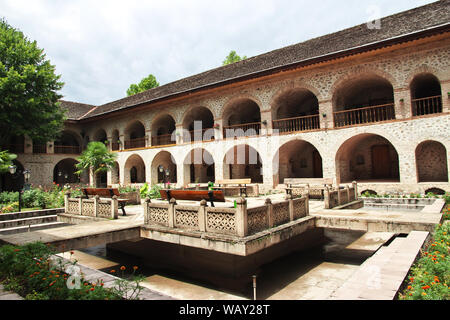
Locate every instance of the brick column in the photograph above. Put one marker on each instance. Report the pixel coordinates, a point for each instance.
(402, 100)
(266, 125)
(326, 114)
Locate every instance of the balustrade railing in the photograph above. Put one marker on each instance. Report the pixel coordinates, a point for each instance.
(67, 149)
(135, 143)
(242, 130)
(364, 115)
(163, 140)
(297, 124)
(424, 106)
(199, 135)
(39, 148)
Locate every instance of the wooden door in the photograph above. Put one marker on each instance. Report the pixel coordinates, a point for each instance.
(381, 162)
(317, 165)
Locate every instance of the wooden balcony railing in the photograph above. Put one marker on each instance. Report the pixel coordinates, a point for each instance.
(67, 149)
(16, 148)
(297, 124)
(198, 135)
(39, 148)
(424, 106)
(115, 146)
(135, 143)
(163, 140)
(364, 115)
(242, 130)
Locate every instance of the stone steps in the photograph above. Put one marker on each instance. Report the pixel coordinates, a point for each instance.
(20, 222)
(381, 276)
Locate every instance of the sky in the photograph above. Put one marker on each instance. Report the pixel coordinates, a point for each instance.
(100, 47)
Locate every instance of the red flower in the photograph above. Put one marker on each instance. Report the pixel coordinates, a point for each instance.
(426, 287)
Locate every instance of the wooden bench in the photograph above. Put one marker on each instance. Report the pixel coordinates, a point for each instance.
(193, 195)
(315, 186)
(241, 184)
(106, 193)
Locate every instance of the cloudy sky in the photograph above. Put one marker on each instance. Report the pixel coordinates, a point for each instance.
(100, 47)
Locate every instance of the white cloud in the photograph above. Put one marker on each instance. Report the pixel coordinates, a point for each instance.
(100, 47)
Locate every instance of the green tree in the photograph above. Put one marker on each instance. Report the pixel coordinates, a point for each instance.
(145, 84)
(28, 89)
(96, 158)
(6, 160)
(232, 58)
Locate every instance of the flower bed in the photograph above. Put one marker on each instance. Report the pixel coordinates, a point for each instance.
(29, 271)
(430, 275)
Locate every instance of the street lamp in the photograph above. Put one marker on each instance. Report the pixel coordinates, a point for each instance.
(15, 175)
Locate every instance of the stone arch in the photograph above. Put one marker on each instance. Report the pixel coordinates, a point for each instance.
(241, 117)
(367, 157)
(426, 94)
(100, 135)
(167, 161)
(431, 162)
(134, 170)
(64, 172)
(243, 161)
(297, 159)
(423, 69)
(68, 143)
(194, 130)
(199, 166)
(362, 89)
(163, 127)
(135, 135)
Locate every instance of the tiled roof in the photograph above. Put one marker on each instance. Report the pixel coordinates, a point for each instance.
(404, 23)
(75, 111)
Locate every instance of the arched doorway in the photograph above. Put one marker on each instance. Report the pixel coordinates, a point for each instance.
(243, 162)
(64, 172)
(198, 125)
(242, 118)
(298, 159)
(163, 131)
(431, 161)
(135, 136)
(426, 95)
(296, 110)
(68, 143)
(363, 99)
(367, 157)
(169, 174)
(134, 170)
(199, 165)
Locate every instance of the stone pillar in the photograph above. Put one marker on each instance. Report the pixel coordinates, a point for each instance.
(291, 207)
(402, 100)
(266, 123)
(179, 134)
(51, 147)
(347, 188)
(241, 217)
(80, 206)
(307, 204)
(122, 142)
(445, 88)
(66, 201)
(96, 200)
(114, 208)
(326, 194)
(218, 130)
(28, 145)
(339, 195)
(326, 114)
(146, 212)
(270, 218)
(355, 187)
(202, 222)
(172, 204)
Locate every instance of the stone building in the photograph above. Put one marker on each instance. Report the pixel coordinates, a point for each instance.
(366, 104)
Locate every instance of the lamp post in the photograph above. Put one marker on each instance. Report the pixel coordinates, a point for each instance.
(16, 175)
(167, 176)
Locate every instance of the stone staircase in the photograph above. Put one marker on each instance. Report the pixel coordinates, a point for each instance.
(19, 222)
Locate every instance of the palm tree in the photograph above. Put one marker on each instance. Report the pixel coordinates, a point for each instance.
(96, 158)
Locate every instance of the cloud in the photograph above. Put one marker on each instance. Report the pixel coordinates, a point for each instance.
(100, 47)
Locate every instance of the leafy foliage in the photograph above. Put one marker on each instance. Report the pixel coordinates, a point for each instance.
(96, 157)
(28, 89)
(152, 193)
(6, 159)
(232, 58)
(145, 84)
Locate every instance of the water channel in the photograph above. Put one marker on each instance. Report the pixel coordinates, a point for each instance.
(311, 274)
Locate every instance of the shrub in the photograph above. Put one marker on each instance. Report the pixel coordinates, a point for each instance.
(153, 193)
